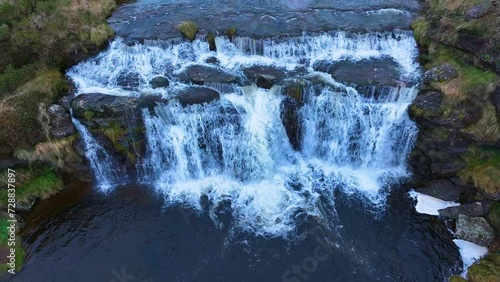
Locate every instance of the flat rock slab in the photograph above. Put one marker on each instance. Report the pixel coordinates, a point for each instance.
(382, 71)
(157, 19)
(442, 189)
(471, 210)
(201, 74)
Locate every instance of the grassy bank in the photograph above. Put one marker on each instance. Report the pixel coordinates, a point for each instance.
(39, 40)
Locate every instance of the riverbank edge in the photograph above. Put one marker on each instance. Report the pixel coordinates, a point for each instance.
(457, 154)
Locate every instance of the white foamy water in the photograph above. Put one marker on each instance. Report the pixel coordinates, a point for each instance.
(235, 151)
(159, 57)
(470, 253)
(101, 162)
(429, 205)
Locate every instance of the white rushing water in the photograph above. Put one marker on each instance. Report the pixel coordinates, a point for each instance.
(235, 151)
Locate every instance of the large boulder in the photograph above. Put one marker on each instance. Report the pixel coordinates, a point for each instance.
(196, 95)
(474, 229)
(428, 100)
(96, 108)
(60, 122)
(159, 82)
(471, 210)
(265, 76)
(444, 72)
(442, 189)
(477, 12)
(382, 71)
(201, 74)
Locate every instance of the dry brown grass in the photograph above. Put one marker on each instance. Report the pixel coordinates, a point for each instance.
(57, 153)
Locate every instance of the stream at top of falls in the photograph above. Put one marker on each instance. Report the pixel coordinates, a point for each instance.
(223, 191)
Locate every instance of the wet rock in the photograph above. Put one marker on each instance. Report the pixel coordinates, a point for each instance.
(265, 76)
(263, 19)
(365, 72)
(447, 168)
(477, 12)
(197, 95)
(495, 98)
(444, 72)
(200, 74)
(290, 117)
(98, 109)
(128, 81)
(442, 189)
(159, 82)
(65, 101)
(212, 60)
(474, 229)
(428, 100)
(60, 122)
(471, 210)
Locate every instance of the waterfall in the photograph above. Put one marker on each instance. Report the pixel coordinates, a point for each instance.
(102, 164)
(235, 151)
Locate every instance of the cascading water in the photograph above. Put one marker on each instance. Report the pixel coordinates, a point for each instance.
(236, 149)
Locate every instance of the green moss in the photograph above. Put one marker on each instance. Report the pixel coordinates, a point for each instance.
(231, 32)
(420, 27)
(88, 115)
(211, 42)
(486, 270)
(473, 77)
(494, 217)
(41, 187)
(188, 29)
(4, 236)
(99, 35)
(457, 279)
(483, 169)
(116, 132)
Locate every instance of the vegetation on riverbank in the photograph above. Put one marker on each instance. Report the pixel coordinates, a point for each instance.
(461, 37)
(39, 41)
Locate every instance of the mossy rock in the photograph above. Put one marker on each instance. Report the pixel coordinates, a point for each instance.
(494, 217)
(483, 170)
(231, 32)
(486, 269)
(211, 42)
(457, 279)
(188, 29)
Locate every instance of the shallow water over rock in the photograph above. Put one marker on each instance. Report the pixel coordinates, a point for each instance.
(149, 19)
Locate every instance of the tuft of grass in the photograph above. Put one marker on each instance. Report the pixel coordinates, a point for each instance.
(487, 130)
(40, 187)
(483, 169)
(420, 27)
(188, 29)
(486, 269)
(57, 152)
